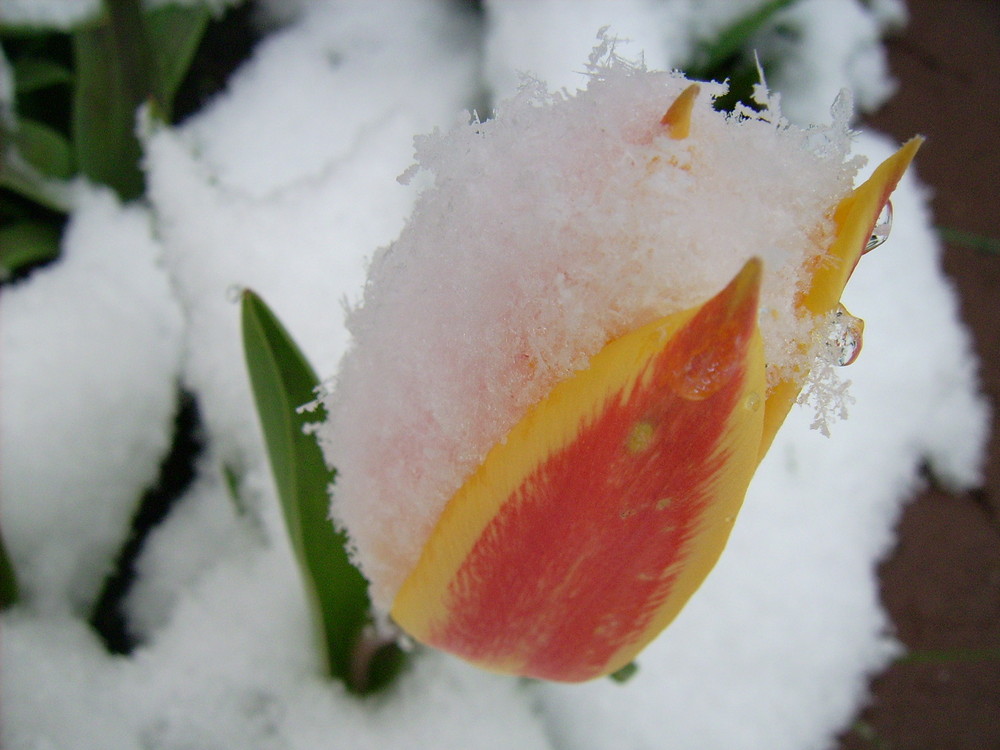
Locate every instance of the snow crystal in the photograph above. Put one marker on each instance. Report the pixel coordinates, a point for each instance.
(550, 230)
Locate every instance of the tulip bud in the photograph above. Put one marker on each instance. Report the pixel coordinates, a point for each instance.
(565, 371)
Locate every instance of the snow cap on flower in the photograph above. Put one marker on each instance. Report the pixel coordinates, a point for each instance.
(630, 218)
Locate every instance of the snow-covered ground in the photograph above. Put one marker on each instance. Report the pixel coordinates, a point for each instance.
(286, 184)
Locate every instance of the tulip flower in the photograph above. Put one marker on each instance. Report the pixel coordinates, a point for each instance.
(582, 531)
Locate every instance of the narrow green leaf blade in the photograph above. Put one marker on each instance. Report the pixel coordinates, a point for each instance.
(45, 148)
(175, 31)
(282, 380)
(26, 243)
(111, 82)
(21, 179)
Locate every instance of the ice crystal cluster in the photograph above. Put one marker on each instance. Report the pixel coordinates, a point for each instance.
(559, 224)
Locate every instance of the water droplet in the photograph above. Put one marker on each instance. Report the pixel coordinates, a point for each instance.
(845, 337)
(880, 232)
(234, 292)
(752, 401)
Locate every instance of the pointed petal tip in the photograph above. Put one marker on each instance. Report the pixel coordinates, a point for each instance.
(737, 303)
(524, 572)
(710, 348)
(855, 218)
(746, 283)
(678, 117)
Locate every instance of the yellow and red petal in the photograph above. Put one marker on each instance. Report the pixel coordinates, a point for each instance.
(855, 218)
(583, 533)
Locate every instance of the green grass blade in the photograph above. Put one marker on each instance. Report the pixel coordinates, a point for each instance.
(282, 380)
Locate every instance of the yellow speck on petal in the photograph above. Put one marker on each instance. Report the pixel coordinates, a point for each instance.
(640, 438)
(678, 117)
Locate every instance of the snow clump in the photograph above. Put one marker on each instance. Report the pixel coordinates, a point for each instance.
(548, 231)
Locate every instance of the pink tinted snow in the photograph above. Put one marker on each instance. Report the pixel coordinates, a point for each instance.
(558, 225)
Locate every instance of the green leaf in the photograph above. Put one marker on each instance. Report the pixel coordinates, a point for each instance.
(711, 56)
(625, 674)
(174, 34)
(112, 80)
(23, 181)
(26, 243)
(282, 380)
(45, 149)
(123, 60)
(8, 581)
(35, 73)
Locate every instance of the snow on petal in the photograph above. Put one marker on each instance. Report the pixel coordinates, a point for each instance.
(565, 223)
(586, 530)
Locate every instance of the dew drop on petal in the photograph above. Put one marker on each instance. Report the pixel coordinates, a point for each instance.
(880, 232)
(845, 337)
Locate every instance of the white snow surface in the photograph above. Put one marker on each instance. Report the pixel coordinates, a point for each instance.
(820, 46)
(90, 351)
(294, 219)
(287, 183)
